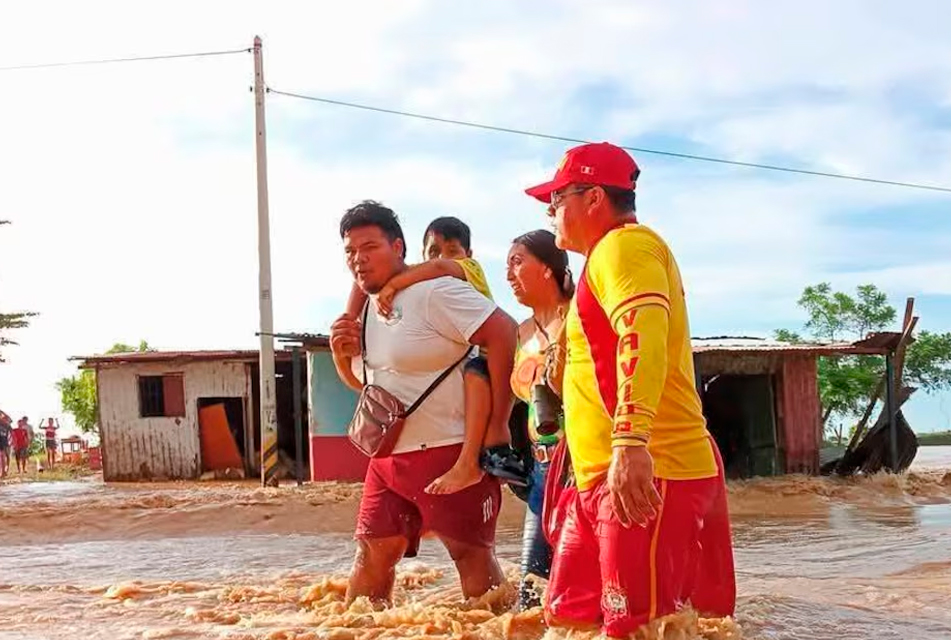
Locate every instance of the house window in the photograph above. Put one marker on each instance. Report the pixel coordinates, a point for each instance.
(162, 396)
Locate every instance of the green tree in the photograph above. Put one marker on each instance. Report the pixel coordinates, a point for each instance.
(846, 383)
(78, 397)
(78, 393)
(12, 321)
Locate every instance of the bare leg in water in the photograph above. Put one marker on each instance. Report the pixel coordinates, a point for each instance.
(374, 570)
(479, 571)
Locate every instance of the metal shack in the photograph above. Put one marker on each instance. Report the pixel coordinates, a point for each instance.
(761, 401)
(176, 414)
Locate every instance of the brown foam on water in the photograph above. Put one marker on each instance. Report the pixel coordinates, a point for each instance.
(299, 607)
(774, 595)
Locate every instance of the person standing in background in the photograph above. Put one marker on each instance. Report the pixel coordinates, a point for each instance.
(6, 434)
(49, 430)
(21, 444)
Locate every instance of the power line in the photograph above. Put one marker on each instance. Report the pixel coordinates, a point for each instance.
(659, 152)
(171, 56)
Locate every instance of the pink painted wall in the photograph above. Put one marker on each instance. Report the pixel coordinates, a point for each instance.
(335, 458)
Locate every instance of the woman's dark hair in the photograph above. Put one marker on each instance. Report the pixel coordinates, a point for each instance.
(541, 244)
(370, 213)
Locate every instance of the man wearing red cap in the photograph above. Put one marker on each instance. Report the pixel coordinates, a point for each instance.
(645, 528)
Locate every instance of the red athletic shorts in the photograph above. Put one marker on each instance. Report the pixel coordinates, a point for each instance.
(619, 578)
(394, 503)
(715, 591)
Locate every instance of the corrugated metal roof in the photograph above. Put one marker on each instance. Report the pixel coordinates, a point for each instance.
(884, 340)
(737, 342)
(308, 340)
(138, 357)
(744, 344)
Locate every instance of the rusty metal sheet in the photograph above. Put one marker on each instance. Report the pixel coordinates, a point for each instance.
(800, 415)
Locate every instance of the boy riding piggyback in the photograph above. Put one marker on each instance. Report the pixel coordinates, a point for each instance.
(447, 252)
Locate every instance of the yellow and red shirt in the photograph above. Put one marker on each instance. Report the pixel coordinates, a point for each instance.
(629, 376)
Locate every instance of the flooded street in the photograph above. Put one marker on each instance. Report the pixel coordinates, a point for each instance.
(816, 558)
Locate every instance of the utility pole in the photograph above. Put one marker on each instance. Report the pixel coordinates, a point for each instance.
(268, 401)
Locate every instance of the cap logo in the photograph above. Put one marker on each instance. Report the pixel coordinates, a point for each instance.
(587, 171)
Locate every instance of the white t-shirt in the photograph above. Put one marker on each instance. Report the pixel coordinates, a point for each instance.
(429, 329)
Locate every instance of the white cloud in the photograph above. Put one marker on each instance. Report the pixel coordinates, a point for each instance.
(131, 187)
(932, 278)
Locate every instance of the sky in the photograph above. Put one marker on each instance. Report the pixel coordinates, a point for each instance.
(131, 187)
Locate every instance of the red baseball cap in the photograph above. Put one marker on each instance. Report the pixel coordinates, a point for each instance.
(599, 163)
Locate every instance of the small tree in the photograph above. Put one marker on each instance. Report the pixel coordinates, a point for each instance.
(78, 393)
(78, 397)
(846, 383)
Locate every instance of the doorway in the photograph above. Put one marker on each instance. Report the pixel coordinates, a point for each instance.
(741, 417)
(284, 398)
(221, 433)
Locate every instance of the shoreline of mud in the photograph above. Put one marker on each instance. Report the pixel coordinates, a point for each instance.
(96, 511)
(825, 558)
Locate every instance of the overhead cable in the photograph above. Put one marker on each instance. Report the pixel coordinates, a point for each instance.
(170, 56)
(560, 138)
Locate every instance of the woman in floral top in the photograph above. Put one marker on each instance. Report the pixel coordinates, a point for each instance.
(541, 280)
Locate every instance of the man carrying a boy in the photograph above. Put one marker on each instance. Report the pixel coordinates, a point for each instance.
(431, 326)
(447, 252)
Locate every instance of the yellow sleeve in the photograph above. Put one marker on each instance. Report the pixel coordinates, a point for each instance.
(475, 276)
(641, 374)
(628, 272)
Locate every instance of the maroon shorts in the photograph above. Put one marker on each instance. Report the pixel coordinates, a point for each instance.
(394, 503)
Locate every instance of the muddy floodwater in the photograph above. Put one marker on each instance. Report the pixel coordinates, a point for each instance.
(817, 558)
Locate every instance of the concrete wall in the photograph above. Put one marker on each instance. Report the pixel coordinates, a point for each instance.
(332, 456)
(136, 448)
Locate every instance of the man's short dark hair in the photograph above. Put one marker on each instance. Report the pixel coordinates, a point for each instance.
(621, 199)
(450, 228)
(371, 213)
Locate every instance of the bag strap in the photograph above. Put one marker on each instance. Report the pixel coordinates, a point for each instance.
(432, 387)
(442, 376)
(363, 341)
